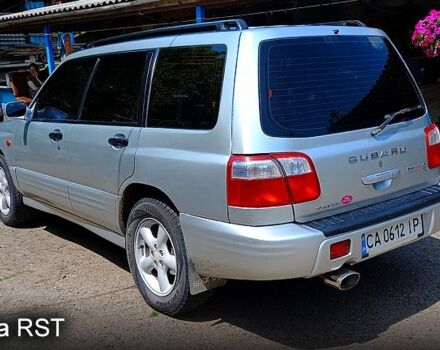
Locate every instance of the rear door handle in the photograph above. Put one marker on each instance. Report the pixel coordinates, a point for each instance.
(380, 177)
(118, 141)
(381, 181)
(56, 135)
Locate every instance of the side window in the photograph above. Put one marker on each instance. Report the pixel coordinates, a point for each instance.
(60, 98)
(186, 87)
(113, 94)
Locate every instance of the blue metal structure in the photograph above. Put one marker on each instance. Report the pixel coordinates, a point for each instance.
(200, 14)
(49, 49)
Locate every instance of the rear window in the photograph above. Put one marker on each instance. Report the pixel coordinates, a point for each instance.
(323, 85)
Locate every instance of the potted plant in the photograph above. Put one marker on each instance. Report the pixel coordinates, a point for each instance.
(427, 34)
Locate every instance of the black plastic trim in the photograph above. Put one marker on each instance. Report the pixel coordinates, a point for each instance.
(377, 213)
(86, 88)
(214, 26)
(348, 23)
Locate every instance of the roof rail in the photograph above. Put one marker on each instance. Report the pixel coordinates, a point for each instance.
(215, 26)
(348, 23)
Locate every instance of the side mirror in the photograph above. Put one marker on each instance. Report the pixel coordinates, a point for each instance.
(15, 109)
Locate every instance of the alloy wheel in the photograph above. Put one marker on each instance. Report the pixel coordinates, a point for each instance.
(5, 194)
(155, 257)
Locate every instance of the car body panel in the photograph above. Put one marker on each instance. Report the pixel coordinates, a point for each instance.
(41, 163)
(339, 179)
(276, 252)
(189, 166)
(96, 170)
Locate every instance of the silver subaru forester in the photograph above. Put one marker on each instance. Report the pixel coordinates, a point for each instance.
(216, 151)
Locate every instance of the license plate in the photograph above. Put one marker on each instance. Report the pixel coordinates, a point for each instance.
(376, 242)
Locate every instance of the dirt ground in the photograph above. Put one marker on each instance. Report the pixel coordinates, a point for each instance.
(55, 268)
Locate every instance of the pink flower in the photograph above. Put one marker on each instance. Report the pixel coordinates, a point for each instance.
(430, 38)
(426, 34)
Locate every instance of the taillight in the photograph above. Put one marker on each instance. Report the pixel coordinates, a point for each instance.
(256, 182)
(432, 137)
(271, 180)
(301, 176)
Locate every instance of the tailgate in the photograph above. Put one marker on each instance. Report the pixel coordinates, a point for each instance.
(358, 170)
(323, 96)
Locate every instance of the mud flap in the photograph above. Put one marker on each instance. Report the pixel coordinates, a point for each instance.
(200, 284)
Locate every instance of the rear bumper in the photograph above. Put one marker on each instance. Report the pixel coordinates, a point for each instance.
(230, 251)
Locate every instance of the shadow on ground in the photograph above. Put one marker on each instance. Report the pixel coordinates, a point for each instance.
(79, 235)
(304, 313)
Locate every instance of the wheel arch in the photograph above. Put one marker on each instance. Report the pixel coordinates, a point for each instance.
(136, 191)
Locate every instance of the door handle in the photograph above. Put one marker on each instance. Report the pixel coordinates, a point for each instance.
(383, 180)
(380, 177)
(56, 135)
(118, 141)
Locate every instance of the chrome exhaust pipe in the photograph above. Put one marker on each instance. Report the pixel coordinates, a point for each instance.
(342, 279)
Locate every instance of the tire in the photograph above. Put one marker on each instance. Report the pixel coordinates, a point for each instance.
(14, 214)
(157, 258)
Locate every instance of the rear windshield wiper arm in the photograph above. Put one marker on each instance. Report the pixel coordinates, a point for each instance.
(390, 117)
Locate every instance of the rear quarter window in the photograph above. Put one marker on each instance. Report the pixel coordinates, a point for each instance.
(313, 86)
(186, 87)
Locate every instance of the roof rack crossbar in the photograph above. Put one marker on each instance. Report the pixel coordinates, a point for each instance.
(215, 26)
(348, 23)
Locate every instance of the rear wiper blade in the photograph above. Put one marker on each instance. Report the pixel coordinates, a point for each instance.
(390, 117)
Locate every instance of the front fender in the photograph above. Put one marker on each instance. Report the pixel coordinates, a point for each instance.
(11, 138)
